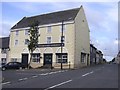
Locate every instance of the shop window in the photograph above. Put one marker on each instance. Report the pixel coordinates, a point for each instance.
(64, 57)
(36, 57)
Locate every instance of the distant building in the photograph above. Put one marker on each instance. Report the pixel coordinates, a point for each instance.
(104, 60)
(117, 58)
(96, 56)
(76, 47)
(92, 54)
(4, 49)
(99, 57)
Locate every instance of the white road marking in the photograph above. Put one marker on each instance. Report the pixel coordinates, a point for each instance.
(91, 72)
(44, 74)
(59, 71)
(34, 76)
(85, 74)
(23, 79)
(21, 70)
(58, 84)
(54, 72)
(6, 83)
(51, 72)
(20, 79)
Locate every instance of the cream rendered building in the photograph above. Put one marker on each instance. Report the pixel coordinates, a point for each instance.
(76, 49)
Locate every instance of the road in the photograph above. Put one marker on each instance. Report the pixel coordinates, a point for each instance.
(99, 76)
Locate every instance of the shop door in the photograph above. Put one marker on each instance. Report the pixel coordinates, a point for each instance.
(47, 59)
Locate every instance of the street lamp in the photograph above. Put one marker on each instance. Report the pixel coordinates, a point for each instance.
(62, 40)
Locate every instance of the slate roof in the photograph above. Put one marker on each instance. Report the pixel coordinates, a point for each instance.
(4, 42)
(91, 45)
(49, 18)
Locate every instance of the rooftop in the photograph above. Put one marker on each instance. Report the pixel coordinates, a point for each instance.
(54, 17)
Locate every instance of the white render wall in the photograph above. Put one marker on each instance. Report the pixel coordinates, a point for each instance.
(17, 50)
(82, 38)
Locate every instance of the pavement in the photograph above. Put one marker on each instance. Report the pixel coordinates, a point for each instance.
(99, 76)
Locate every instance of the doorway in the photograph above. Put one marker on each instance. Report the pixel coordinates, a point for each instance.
(48, 59)
(25, 59)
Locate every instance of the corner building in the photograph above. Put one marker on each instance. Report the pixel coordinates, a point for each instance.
(76, 48)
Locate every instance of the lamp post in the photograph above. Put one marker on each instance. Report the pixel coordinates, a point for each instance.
(62, 45)
(62, 40)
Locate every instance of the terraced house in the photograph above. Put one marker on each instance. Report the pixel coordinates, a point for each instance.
(75, 46)
(4, 50)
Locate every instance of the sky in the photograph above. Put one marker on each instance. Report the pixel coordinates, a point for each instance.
(102, 19)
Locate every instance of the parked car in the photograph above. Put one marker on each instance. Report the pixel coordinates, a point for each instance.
(13, 65)
(114, 63)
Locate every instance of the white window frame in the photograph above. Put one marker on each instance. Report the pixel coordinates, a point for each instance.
(36, 58)
(3, 51)
(3, 60)
(49, 29)
(16, 42)
(47, 39)
(26, 42)
(57, 58)
(26, 31)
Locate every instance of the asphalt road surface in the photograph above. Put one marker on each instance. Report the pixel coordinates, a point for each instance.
(99, 76)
